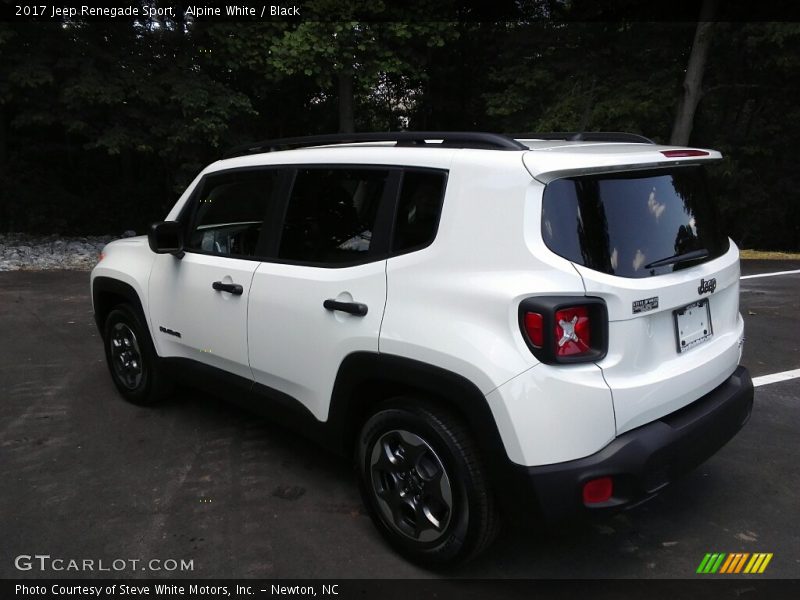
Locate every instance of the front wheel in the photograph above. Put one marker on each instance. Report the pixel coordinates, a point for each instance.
(131, 358)
(423, 482)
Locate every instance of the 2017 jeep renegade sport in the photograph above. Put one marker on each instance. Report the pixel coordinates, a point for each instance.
(487, 324)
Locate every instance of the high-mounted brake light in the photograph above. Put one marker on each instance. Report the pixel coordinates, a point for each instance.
(683, 153)
(573, 331)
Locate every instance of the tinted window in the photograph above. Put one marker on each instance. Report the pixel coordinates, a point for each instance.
(230, 212)
(418, 210)
(621, 223)
(331, 215)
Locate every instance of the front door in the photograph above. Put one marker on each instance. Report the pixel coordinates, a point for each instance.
(198, 303)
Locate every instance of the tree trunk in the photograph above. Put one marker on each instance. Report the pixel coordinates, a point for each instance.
(587, 109)
(3, 140)
(346, 120)
(693, 82)
(5, 211)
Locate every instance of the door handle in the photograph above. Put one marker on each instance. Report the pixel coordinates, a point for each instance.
(354, 308)
(232, 288)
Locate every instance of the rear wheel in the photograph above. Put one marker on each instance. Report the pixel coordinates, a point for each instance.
(131, 358)
(423, 482)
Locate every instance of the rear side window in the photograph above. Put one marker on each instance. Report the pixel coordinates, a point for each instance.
(418, 210)
(622, 223)
(230, 212)
(331, 215)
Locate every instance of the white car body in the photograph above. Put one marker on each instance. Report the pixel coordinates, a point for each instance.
(452, 305)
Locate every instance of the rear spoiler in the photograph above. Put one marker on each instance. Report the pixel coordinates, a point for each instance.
(547, 166)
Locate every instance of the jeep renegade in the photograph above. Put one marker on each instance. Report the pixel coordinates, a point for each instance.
(486, 324)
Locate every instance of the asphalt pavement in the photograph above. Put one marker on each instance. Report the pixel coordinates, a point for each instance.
(87, 476)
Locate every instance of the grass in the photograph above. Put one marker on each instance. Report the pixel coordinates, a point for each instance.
(769, 255)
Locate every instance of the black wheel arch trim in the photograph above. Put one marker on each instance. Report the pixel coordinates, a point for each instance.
(361, 372)
(363, 381)
(351, 402)
(114, 289)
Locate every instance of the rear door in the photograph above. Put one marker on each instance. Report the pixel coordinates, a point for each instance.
(323, 295)
(649, 243)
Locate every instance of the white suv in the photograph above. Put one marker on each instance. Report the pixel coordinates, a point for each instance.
(488, 324)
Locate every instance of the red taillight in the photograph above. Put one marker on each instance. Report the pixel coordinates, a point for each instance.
(598, 490)
(573, 331)
(683, 153)
(534, 327)
(564, 329)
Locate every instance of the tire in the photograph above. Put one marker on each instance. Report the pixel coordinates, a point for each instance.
(132, 360)
(424, 483)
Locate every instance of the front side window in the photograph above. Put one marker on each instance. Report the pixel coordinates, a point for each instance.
(230, 212)
(635, 224)
(331, 215)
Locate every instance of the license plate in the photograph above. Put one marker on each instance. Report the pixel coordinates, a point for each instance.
(693, 325)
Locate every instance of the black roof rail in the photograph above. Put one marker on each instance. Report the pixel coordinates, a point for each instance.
(449, 139)
(584, 136)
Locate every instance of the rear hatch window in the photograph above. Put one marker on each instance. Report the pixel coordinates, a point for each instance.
(633, 224)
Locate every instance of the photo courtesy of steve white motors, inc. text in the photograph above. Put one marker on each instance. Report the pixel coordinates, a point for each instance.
(194, 590)
(227, 10)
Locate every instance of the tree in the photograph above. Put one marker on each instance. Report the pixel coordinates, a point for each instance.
(693, 82)
(577, 76)
(123, 114)
(347, 59)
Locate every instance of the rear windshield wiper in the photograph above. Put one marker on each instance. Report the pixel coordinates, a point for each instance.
(679, 258)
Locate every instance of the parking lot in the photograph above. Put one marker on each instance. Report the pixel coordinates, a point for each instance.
(87, 476)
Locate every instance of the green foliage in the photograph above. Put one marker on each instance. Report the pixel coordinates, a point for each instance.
(585, 76)
(385, 59)
(103, 124)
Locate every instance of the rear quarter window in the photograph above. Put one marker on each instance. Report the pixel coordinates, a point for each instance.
(418, 210)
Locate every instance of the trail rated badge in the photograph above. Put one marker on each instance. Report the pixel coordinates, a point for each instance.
(734, 563)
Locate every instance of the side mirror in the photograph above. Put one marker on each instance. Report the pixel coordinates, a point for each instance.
(166, 237)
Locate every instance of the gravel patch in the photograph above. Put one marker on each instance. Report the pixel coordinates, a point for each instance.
(21, 251)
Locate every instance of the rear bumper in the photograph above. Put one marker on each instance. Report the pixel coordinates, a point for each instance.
(644, 460)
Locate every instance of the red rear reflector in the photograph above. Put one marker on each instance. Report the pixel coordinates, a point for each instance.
(534, 327)
(573, 331)
(682, 153)
(598, 490)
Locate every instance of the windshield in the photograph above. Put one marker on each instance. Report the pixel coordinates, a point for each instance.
(633, 224)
